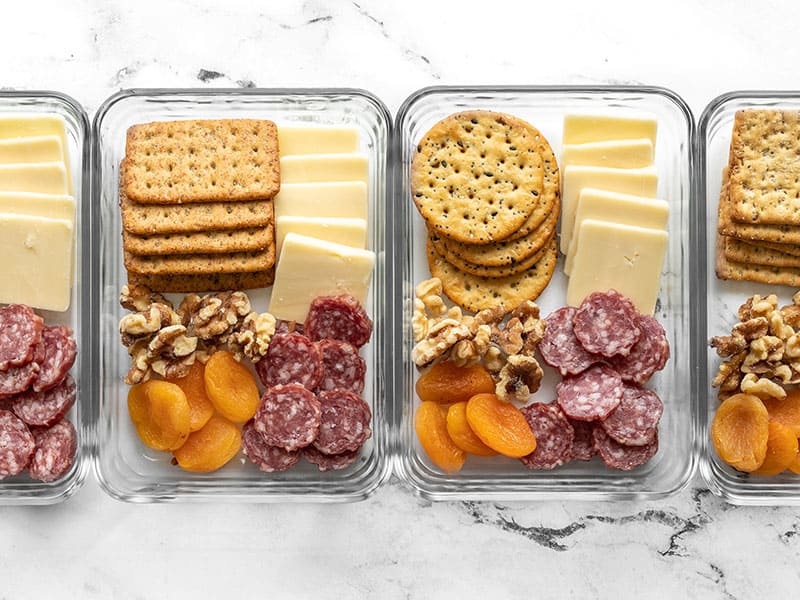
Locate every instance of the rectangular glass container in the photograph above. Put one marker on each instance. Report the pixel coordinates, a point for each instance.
(126, 469)
(505, 478)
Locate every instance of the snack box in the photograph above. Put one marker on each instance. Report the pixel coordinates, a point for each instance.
(21, 489)
(496, 477)
(717, 309)
(125, 468)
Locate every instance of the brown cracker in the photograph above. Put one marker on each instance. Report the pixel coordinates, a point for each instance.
(214, 282)
(736, 271)
(742, 252)
(476, 176)
(790, 249)
(200, 264)
(206, 242)
(172, 162)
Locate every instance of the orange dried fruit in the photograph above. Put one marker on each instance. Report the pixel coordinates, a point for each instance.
(194, 386)
(446, 382)
(231, 387)
(160, 413)
(210, 447)
(781, 450)
(461, 433)
(500, 425)
(740, 431)
(786, 411)
(430, 424)
(794, 467)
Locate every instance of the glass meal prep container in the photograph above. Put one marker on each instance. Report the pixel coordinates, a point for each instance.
(504, 478)
(21, 489)
(125, 467)
(718, 308)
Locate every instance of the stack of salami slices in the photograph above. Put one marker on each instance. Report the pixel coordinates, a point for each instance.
(314, 378)
(36, 392)
(605, 351)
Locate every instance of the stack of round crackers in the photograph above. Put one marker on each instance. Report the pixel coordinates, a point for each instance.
(487, 186)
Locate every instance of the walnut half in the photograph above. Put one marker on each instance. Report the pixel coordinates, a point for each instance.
(519, 378)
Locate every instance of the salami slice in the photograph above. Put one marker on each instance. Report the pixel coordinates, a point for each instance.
(291, 358)
(55, 451)
(16, 444)
(635, 420)
(648, 355)
(560, 348)
(606, 324)
(42, 409)
(267, 458)
(618, 456)
(329, 462)
(60, 352)
(344, 368)
(583, 442)
(338, 318)
(554, 436)
(20, 332)
(344, 426)
(16, 380)
(592, 395)
(288, 416)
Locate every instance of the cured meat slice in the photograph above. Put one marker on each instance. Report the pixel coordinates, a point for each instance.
(15, 380)
(605, 323)
(554, 436)
(20, 332)
(592, 395)
(583, 442)
(635, 420)
(338, 318)
(288, 416)
(344, 368)
(55, 451)
(344, 425)
(267, 458)
(329, 462)
(648, 355)
(42, 409)
(291, 358)
(16, 444)
(619, 456)
(60, 352)
(560, 348)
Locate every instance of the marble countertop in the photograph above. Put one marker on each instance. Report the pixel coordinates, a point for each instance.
(395, 545)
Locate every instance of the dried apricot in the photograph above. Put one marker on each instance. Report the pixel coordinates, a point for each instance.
(194, 386)
(500, 425)
(446, 382)
(430, 424)
(160, 412)
(794, 467)
(461, 433)
(781, 450)
(786, 411)
(231, 387)
(740, 430)
(210, 447)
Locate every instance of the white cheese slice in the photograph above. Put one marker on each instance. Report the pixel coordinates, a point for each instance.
(316, 140)
(341, 199)
(309, 268)
(43, 178)
(34, 125)
(349, 232)
(580, 129)
(310, 168)
(620, 257)
(51, 206)
(617, 154)
(45, 148)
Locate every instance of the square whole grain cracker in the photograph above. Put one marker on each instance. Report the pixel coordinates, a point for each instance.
(765, 167)
(736, 271)
(214, 282)
(750, 254)
(203, 242)
(200, 264)
(791, 249)
(172, 162)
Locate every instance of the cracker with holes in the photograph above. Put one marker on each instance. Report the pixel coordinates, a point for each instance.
(177, 162)
(477, 176)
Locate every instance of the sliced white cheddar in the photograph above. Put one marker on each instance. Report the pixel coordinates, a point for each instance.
(620, 257)
(580, 129)
(639, 182)
(34, 125)
(309, 268)
(341, 199)
(622, 154)
(51, 206)
(349, 232)
(615, 208)
(43, 178)
(37, 261)
(317, 140)
(312, 168)
(45, 148)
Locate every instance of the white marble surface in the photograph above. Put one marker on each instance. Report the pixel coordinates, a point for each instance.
(394, 545)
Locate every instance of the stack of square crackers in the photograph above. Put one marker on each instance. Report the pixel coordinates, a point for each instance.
(196, 203)
(759, 207)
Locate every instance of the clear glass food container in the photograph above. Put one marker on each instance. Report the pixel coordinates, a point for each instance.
(718, 307)
(128, 470)
(505, 478)
(21, 489)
